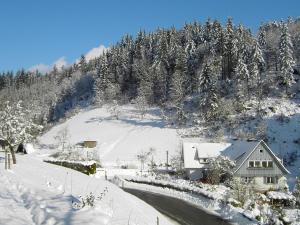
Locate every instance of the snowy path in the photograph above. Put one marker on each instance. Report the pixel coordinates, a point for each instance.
(11, 198)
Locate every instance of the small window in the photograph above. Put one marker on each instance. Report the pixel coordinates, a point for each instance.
(271, 180)
(257, 164)
(251, 164)
(270, 164)
(264, 164)
(261, 151)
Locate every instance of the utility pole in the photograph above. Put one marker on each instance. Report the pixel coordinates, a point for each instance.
(8, 161)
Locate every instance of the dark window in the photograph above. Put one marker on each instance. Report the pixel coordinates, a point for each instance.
(271, 180)
(264, 164)
(270, 164)
(261, 151)
(251, 163)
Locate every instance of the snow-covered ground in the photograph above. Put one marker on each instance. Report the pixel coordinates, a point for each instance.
(118, 141)
(34, 192)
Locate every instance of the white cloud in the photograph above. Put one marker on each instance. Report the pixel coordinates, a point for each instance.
(61, 62)
(43, 68)
(95, 52)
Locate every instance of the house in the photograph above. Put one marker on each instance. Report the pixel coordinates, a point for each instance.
(255, 162)
(89, 144)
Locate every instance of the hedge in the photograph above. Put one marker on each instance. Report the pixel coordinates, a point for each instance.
(86, 169)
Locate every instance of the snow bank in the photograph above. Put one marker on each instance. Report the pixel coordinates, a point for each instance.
(34, 192)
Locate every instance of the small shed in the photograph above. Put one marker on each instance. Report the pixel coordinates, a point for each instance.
(89, 144)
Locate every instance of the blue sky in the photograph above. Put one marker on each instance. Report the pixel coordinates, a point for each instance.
(43, 31)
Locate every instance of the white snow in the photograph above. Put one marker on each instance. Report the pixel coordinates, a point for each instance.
(118, 141)
(34, 192)
(280, 195)
(29, 148)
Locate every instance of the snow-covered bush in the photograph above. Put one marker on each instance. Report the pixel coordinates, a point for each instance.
(240, 191)
(114, 109)
(89, 200)
(220, 169)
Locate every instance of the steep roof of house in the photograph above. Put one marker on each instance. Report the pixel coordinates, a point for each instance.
(237, 151)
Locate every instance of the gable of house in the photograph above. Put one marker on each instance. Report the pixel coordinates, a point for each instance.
(260, 161)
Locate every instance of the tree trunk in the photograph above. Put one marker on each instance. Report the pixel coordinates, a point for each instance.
(13, 155)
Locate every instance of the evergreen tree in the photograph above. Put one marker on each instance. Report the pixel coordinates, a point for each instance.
(83, 66)
(209, 102)
(230, 50)
(178, 83)
(257, 81)
(286, 58)
(296, 191)
(242, 79)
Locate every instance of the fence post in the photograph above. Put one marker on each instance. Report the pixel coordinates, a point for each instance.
(5, 159)
(8, 161)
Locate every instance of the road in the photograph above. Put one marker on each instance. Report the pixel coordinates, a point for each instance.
(177, 209)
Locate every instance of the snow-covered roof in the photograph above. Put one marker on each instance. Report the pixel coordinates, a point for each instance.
(236, 151)
(280, 195)
(192, 152)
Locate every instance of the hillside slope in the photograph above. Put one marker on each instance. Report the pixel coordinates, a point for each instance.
(119, 140)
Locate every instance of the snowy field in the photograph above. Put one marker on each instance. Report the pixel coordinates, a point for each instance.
(118, 141)
(34, 192)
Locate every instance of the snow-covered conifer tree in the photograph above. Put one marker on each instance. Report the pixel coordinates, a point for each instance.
(209, 101)
(296, 191)
(178, 82)
(286, 58)
(242, 80)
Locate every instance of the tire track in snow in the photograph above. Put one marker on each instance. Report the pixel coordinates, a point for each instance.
(114, 144)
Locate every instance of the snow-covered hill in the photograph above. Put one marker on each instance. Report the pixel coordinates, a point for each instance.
(118, 140)
(34, 192)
